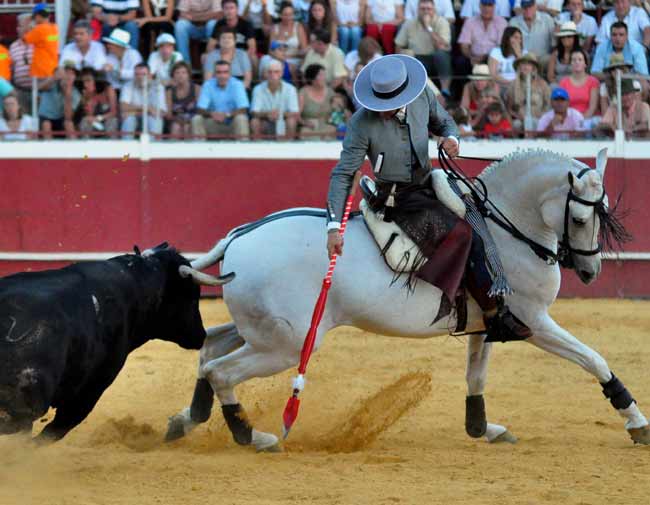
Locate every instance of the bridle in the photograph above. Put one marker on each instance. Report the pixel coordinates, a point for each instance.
(565, 252)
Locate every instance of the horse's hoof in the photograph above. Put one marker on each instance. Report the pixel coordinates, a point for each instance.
(475, 419)
(265, 442)
(506, 437)
(174, 429)
(273, 448)
(640, 435)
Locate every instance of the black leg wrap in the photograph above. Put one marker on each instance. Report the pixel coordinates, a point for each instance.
(617, 393)
(201, 401)
(475, 419)
(238, 423)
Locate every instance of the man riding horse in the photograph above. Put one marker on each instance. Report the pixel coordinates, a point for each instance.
(392, 129)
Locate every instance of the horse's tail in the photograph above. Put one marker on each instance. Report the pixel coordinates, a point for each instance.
(215, 254)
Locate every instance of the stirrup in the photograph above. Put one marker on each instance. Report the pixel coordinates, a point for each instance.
(505, 327)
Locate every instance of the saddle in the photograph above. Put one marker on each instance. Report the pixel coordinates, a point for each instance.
(405, 257)
(401, 254)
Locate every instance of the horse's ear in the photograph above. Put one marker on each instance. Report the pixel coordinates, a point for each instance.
(576, 184)
(601, 163)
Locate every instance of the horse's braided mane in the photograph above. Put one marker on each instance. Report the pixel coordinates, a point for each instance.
(525, 155)
(612, 231)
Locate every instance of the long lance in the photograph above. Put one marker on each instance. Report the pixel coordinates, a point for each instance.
(293, 404)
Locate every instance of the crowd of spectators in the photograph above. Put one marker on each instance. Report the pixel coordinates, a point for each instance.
(285, 69)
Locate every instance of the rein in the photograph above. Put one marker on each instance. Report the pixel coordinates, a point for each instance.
(481, 198)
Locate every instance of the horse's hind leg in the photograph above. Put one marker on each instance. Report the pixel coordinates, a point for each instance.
(220, 340)
(555, 339)
(476, 425)
(226, 372)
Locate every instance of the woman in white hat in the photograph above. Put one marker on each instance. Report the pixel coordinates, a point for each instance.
(540, 96)
(476, 90)
(163, 58)
(567, 41)
(398, 111)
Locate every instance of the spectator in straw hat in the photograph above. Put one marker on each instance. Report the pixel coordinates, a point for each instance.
(636, 114)
(607, 91)
(121, 59)
(527, 65)
(476, 90)
(164, 58)
(620, 43)
(586, 25)
(567, 41)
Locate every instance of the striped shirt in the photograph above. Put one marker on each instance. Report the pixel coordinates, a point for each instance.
(116, 6)
(21, 56)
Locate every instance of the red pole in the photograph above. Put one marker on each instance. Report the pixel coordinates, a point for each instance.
(293, 404)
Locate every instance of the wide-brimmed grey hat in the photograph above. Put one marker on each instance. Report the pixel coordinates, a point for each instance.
(390, 82)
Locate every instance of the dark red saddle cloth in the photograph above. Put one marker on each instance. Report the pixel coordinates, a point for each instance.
(444, 239)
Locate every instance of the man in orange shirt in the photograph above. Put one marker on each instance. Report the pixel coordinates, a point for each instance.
(45, 39)
(5, 63)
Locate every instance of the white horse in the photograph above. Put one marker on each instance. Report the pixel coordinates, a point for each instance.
(279, 262)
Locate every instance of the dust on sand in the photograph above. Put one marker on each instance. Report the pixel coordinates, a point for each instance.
(381, 422)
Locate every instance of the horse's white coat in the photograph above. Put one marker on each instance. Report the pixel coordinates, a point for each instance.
(279, 269)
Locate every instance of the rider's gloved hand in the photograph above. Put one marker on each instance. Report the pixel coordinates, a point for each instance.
(334, 243)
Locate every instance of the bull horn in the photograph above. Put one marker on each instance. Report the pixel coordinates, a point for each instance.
(203, 279)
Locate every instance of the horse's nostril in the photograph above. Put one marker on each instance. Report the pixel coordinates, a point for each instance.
(585, 274)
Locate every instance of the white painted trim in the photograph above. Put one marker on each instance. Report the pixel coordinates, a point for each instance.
(148, 149)
(93, 256)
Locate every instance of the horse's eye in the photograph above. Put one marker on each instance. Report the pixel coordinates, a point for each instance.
(579, 222)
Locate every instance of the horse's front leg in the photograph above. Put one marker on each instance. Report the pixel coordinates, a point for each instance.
(476, 425)
(553, 338)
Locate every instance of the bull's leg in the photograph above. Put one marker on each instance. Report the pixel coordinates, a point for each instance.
(226, 372)
(555, 339)
(476, 425)
(72, 411)
(220, 340)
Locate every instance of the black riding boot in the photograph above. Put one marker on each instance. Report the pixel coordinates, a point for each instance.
(501, 324)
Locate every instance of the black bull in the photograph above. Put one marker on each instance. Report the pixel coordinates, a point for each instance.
(65, 334)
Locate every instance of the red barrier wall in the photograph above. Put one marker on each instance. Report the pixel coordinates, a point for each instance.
(109, 205)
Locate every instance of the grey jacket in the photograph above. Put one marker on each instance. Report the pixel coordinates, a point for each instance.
(368, 134)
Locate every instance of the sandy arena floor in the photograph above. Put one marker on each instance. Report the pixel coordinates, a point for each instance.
(381, 422)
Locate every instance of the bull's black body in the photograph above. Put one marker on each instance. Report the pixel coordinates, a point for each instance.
(65, 334)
